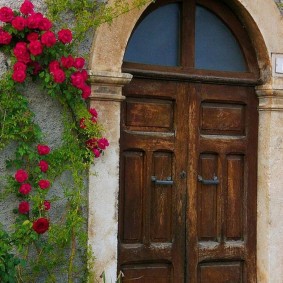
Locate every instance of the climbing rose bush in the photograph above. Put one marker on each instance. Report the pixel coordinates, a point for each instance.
(35, 52)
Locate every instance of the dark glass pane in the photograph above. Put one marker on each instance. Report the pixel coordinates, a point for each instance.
(215, 46)
(156, 39)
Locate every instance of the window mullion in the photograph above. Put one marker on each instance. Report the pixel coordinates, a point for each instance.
(188, 34)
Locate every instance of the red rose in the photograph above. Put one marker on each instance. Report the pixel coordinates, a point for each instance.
(82, 123)
(21, 52)
(93, 112)
(32, 36)
(96, 152)
(6, 14)
(34, 20)
(58, 76)
(27, 7)
(86, 91)
(19, 23)
(41, 225)
(43, 149)
(25, 189)
(44, 184)
(65, 36)
(102, 143)
(67, 62)
(21, 176)
(79, 63)
(78, 80)
(20, 66)
(35, 47)
(36, 67)
(24, 207)
(47, 205)
(19, 76)
(43, 165)
(84, 74)
(45, 24)
(54, 65)
(5, 37)
(48, 39)
(91, 143)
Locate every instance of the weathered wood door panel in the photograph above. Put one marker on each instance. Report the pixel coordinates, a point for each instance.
(188, 182)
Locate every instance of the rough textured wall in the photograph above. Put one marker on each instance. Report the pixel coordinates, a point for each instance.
(48, 115)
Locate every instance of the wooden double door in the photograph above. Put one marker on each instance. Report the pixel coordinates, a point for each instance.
(187, 202)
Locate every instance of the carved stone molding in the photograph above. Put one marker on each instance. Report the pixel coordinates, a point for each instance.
(270, 99)
(107, 86)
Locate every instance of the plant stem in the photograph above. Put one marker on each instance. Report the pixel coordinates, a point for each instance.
(72, 256)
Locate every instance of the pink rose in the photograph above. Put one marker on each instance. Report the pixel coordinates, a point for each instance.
(6, 14)
(26, 8)
(102, 143)
(41, 225)
(67, 62)
(48, 39)
(43, 149)
(5, 37)
(58, 76)
(21, 176)
(43, 165)
(35, 47)
(78, 80)
(32, 36)
(79, 63)
(86, 91)
(47, 205)
(44, 184)
(45, 24)
(19, 66)
(19, 23)
(34, 20)
(24, 207)
(25, 189)
(65, 36)
(19, 76)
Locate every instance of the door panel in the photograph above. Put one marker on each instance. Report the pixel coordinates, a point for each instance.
(200, 228)
(154, 212)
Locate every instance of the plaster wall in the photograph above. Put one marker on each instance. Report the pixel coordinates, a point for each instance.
(263, 21)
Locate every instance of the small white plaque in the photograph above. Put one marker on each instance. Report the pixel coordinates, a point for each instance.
(279, 65)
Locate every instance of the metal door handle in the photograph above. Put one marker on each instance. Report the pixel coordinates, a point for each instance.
(213, 181)
(167, 182)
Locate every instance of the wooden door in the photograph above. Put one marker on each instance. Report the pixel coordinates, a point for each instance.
(200, 228)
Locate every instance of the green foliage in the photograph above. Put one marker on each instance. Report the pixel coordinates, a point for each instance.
(8, 261)
(88, 14)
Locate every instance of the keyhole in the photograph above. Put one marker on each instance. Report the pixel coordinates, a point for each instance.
(183, 175)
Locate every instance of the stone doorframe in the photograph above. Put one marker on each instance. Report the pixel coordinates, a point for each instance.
(265, 27)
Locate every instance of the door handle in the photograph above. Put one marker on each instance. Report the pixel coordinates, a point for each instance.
(213, 181)
(167, 182)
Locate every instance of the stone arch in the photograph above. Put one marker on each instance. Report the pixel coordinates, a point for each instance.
(261, 18)
(264, 24)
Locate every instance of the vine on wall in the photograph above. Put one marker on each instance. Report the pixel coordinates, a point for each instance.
(38, 247)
